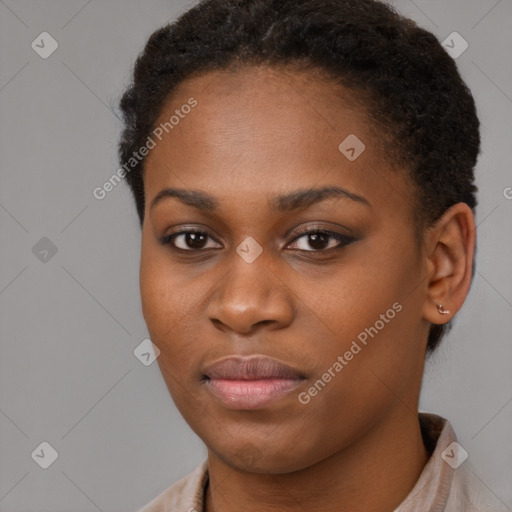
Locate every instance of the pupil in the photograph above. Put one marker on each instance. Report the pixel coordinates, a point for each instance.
(195, 240)
(315, 238)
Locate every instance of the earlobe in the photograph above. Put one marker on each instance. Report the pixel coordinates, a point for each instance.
(450, 254)
(443, 311)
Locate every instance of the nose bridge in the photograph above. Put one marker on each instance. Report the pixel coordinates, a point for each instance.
(249, 293)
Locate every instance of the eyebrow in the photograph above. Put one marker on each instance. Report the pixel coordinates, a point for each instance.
(296, 200)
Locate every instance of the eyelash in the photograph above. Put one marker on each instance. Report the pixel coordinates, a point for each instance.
(342, 239)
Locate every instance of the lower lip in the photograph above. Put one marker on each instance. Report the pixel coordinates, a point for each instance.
(251, 394)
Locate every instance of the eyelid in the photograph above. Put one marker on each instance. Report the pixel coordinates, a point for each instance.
(315, 229)
(322, 226)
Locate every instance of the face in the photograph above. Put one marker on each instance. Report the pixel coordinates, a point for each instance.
(315, 295)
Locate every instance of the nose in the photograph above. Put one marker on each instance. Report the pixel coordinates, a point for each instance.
(249, 296)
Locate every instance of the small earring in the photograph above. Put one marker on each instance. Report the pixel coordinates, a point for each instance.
(441, 310)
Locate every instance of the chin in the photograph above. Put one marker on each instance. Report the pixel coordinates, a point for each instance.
(267, 457)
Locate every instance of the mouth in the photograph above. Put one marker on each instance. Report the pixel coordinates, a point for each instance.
(250, 382)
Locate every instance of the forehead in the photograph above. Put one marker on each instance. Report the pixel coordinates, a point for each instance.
(263, 129)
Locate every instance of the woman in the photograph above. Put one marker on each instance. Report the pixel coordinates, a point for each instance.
(303, 175)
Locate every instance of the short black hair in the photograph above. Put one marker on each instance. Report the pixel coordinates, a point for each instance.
(409, 84)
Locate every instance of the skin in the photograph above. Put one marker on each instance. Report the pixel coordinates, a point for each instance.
(254, 134)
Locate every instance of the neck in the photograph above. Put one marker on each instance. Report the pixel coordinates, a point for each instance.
(374, 473)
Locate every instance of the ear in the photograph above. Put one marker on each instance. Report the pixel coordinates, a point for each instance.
(450, 253)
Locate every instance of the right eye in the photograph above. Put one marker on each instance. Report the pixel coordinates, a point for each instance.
(191, 240)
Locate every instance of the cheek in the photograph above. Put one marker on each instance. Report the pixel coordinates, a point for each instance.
(367, 311)
(164, 299)
(349, 298)
(170, 322)
(170, 303)
(153, 286)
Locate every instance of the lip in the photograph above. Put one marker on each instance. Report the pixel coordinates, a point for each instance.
(250, 382)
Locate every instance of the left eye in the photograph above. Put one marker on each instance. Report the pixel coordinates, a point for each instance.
(319, 240)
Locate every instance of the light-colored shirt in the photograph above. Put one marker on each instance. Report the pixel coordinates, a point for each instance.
(446, 484)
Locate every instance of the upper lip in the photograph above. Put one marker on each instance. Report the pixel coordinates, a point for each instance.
(250, 368)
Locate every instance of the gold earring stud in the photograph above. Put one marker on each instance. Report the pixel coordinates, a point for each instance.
(441, 310)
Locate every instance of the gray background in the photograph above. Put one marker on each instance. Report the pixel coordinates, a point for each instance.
(69, 325)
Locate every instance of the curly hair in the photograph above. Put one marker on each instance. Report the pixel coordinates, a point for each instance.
(398, 72)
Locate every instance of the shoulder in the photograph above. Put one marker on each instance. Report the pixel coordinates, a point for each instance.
(185, 494)
(448, 481)
(469, 493)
